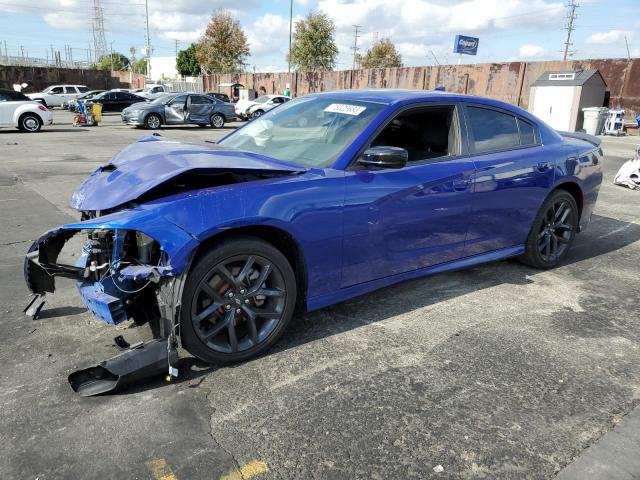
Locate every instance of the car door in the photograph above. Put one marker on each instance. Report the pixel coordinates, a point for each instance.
(174, 110)
(55, 97)
(200, 109)
(107, 101)
(398, 220)
(70, 93)
(513, 177)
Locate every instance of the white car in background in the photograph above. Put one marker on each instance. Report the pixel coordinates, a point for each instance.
(153, 91)
(247, 109)
(17, 110)
(56, 95)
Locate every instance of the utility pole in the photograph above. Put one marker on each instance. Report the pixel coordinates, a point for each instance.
(571, 16)
(147, 39)
(355, 43)
(626, 42)
(290, 30)
(99, 39)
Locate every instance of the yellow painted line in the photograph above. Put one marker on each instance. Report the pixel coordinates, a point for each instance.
(250, 470)
(160, 469)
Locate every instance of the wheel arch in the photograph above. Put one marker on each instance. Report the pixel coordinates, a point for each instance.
(279, 238)
(22, 110)
(157, 114)
(216, 112)
(576, 192)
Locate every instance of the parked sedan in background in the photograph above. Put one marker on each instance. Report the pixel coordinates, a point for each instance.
(219, 96)
(71, 104)
(179, 109)
(258, 109)
(262, 104)
(18, 110)
(115, 101)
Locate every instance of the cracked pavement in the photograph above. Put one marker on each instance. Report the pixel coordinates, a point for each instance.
(500, 371)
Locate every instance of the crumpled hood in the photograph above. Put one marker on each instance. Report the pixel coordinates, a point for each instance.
(152, 161)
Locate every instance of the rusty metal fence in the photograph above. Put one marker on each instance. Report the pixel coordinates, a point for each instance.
(509, 82)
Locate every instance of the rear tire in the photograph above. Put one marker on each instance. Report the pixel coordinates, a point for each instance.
(552, 232)
(152, 121)
(237, 301)
(29, 122)
(217, 120)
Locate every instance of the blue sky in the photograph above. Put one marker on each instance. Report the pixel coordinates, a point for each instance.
(508, 29)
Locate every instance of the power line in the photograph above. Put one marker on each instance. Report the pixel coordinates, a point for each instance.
(571, 16)
(355, 43)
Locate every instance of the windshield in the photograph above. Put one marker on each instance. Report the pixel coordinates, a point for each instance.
(310, 131)
(262, 99)
(164, 98)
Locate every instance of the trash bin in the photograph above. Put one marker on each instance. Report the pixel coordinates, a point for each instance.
(594, 118)
(96, 110)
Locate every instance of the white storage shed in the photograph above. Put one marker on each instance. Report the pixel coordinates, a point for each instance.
(559, 97)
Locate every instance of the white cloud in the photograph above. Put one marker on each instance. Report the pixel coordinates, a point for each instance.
(531, 51)
(269, 36)
(421, 25)
(606, 38)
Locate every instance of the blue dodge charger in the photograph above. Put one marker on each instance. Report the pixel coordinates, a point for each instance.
(330, 196)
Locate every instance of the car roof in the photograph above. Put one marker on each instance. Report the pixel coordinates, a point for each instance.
(388, 96)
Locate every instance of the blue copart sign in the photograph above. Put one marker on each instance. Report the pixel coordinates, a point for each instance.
(466, 45)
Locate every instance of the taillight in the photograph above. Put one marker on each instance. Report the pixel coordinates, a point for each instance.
(43, 108)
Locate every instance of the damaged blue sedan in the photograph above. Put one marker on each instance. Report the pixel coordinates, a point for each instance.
(328, 197)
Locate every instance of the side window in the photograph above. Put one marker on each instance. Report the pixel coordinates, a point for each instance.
(276, 100)
(425, 133)
(83, 89)
(70, 90)
(56, 90)
(5, 97)
(200, 100)
(492, 130)
(527, 133)
(178, 100)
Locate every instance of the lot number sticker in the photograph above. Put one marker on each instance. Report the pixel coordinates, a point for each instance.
(345, 109)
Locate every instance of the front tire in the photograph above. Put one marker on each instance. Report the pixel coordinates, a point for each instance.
(152, 121)
(237, 301)
(553, 231)
(29, 122)
(257, 113)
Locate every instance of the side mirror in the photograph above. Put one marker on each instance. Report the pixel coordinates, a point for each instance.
(384, 157)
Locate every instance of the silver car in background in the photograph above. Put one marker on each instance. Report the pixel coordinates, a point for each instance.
(179, 109)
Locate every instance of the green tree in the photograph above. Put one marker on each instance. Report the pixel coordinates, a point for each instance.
(382, 54)
(186, 63)
(223, 48)
(114, 62)
(313, 47)
(139, 66)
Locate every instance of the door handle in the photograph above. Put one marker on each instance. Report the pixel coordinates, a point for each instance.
(543, 166)
(461, 184)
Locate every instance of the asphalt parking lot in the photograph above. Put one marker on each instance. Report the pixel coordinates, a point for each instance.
(500, 371)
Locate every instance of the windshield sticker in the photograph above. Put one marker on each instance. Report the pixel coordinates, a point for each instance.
(345, 109)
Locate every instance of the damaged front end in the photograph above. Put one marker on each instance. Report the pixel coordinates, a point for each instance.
(121, 274)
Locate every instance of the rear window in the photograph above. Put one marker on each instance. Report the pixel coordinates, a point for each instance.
(492, 130)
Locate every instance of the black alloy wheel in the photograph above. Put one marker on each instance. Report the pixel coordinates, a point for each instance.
(237, 301)
(553, 231)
